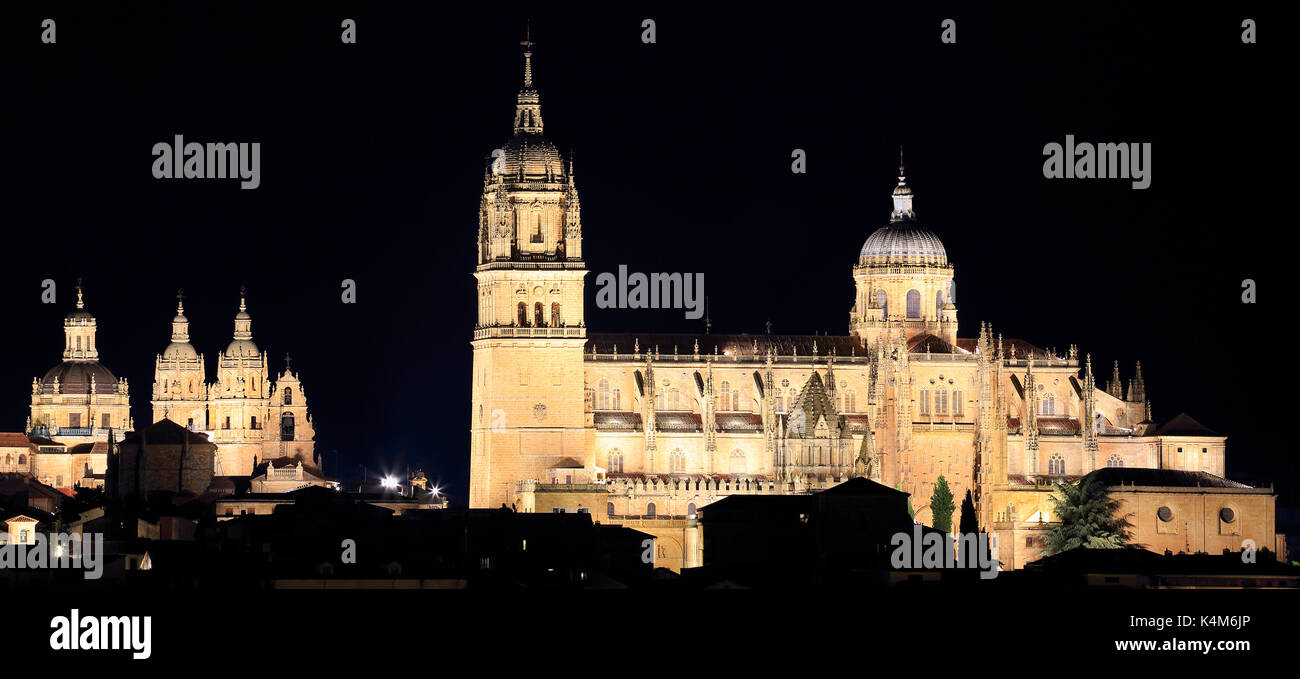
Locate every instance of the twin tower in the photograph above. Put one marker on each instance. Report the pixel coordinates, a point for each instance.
(250, 416)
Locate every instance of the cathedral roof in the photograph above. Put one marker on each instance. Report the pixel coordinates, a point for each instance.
(741, 345)
(1184, 425)
(74, 378)
(1137, 476)
(928, 343)
(165, 432)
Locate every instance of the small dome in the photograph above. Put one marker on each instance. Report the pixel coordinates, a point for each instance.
(181, 351)
(74, 378)
(903, 243)
(242, 348)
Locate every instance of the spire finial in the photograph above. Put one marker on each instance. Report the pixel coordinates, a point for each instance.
(81, 304)
(901, 174)
(528, 54)
(180, 300)
(286, 361)
(243, 306)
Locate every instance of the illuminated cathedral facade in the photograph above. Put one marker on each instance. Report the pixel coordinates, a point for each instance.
(249, 413)
(644, 429)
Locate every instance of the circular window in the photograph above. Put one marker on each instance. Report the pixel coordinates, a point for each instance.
(1227, 515)
(1165, 513)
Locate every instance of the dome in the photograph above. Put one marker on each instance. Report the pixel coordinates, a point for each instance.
(534, 153)
(903, 243)
(74, 378)
(242, 348)
(80, 315)
(180, 351)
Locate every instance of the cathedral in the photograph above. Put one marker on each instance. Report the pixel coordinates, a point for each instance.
(247, 412)
(644, 429)
(79, 409)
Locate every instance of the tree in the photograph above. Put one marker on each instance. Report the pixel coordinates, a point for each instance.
(941, 505)
(1088, 517)
(968, 523)
(910, 512)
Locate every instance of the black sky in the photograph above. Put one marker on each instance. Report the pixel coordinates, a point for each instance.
(372, 158)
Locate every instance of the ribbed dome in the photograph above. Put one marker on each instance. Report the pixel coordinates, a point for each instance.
(74, 378)
(242, 348)
(903, 243)
(180, 350)
(535, 154)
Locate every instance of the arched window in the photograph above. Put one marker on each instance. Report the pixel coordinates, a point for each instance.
(1049, 405)
(956, 402)
(650, 509)
(538, 320)
(780, 404)
(938, 302)
(941, 402)
(190, 424)
(523, 314)
(252, 422)
(690, 509)
(286, 427)
(602, 395)
(913, 304)
(924, 402)
(850, 402)
(555, 314)
(882, 301)
(1056, 465)
(609, 508)
(288, 396)
(615, 461)
(725, 392)
(616, 399)
(1114, 461)
(677, 462)
(738, 462)
(537, 229)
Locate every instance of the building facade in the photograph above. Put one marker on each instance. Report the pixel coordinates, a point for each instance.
(645, 428)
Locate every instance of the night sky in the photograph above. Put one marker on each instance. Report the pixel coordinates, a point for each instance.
(372, 166)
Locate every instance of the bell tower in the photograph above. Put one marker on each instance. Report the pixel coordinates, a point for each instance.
(527, 394)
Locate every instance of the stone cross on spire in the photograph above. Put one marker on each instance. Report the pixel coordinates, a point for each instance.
(286, 361)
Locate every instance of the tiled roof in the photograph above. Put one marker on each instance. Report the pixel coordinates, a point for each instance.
(857, 422)
(1137, 476)
(739, 421)
(678, 421)
(1184, 425)
(99, 447)
(617, 420)
(928, 343)
(1058, 426)
(13, 440)
(729, 345)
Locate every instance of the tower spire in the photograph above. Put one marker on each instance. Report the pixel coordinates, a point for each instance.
(528, 107)
(243, 322)
(902, 195)
(528, 55)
